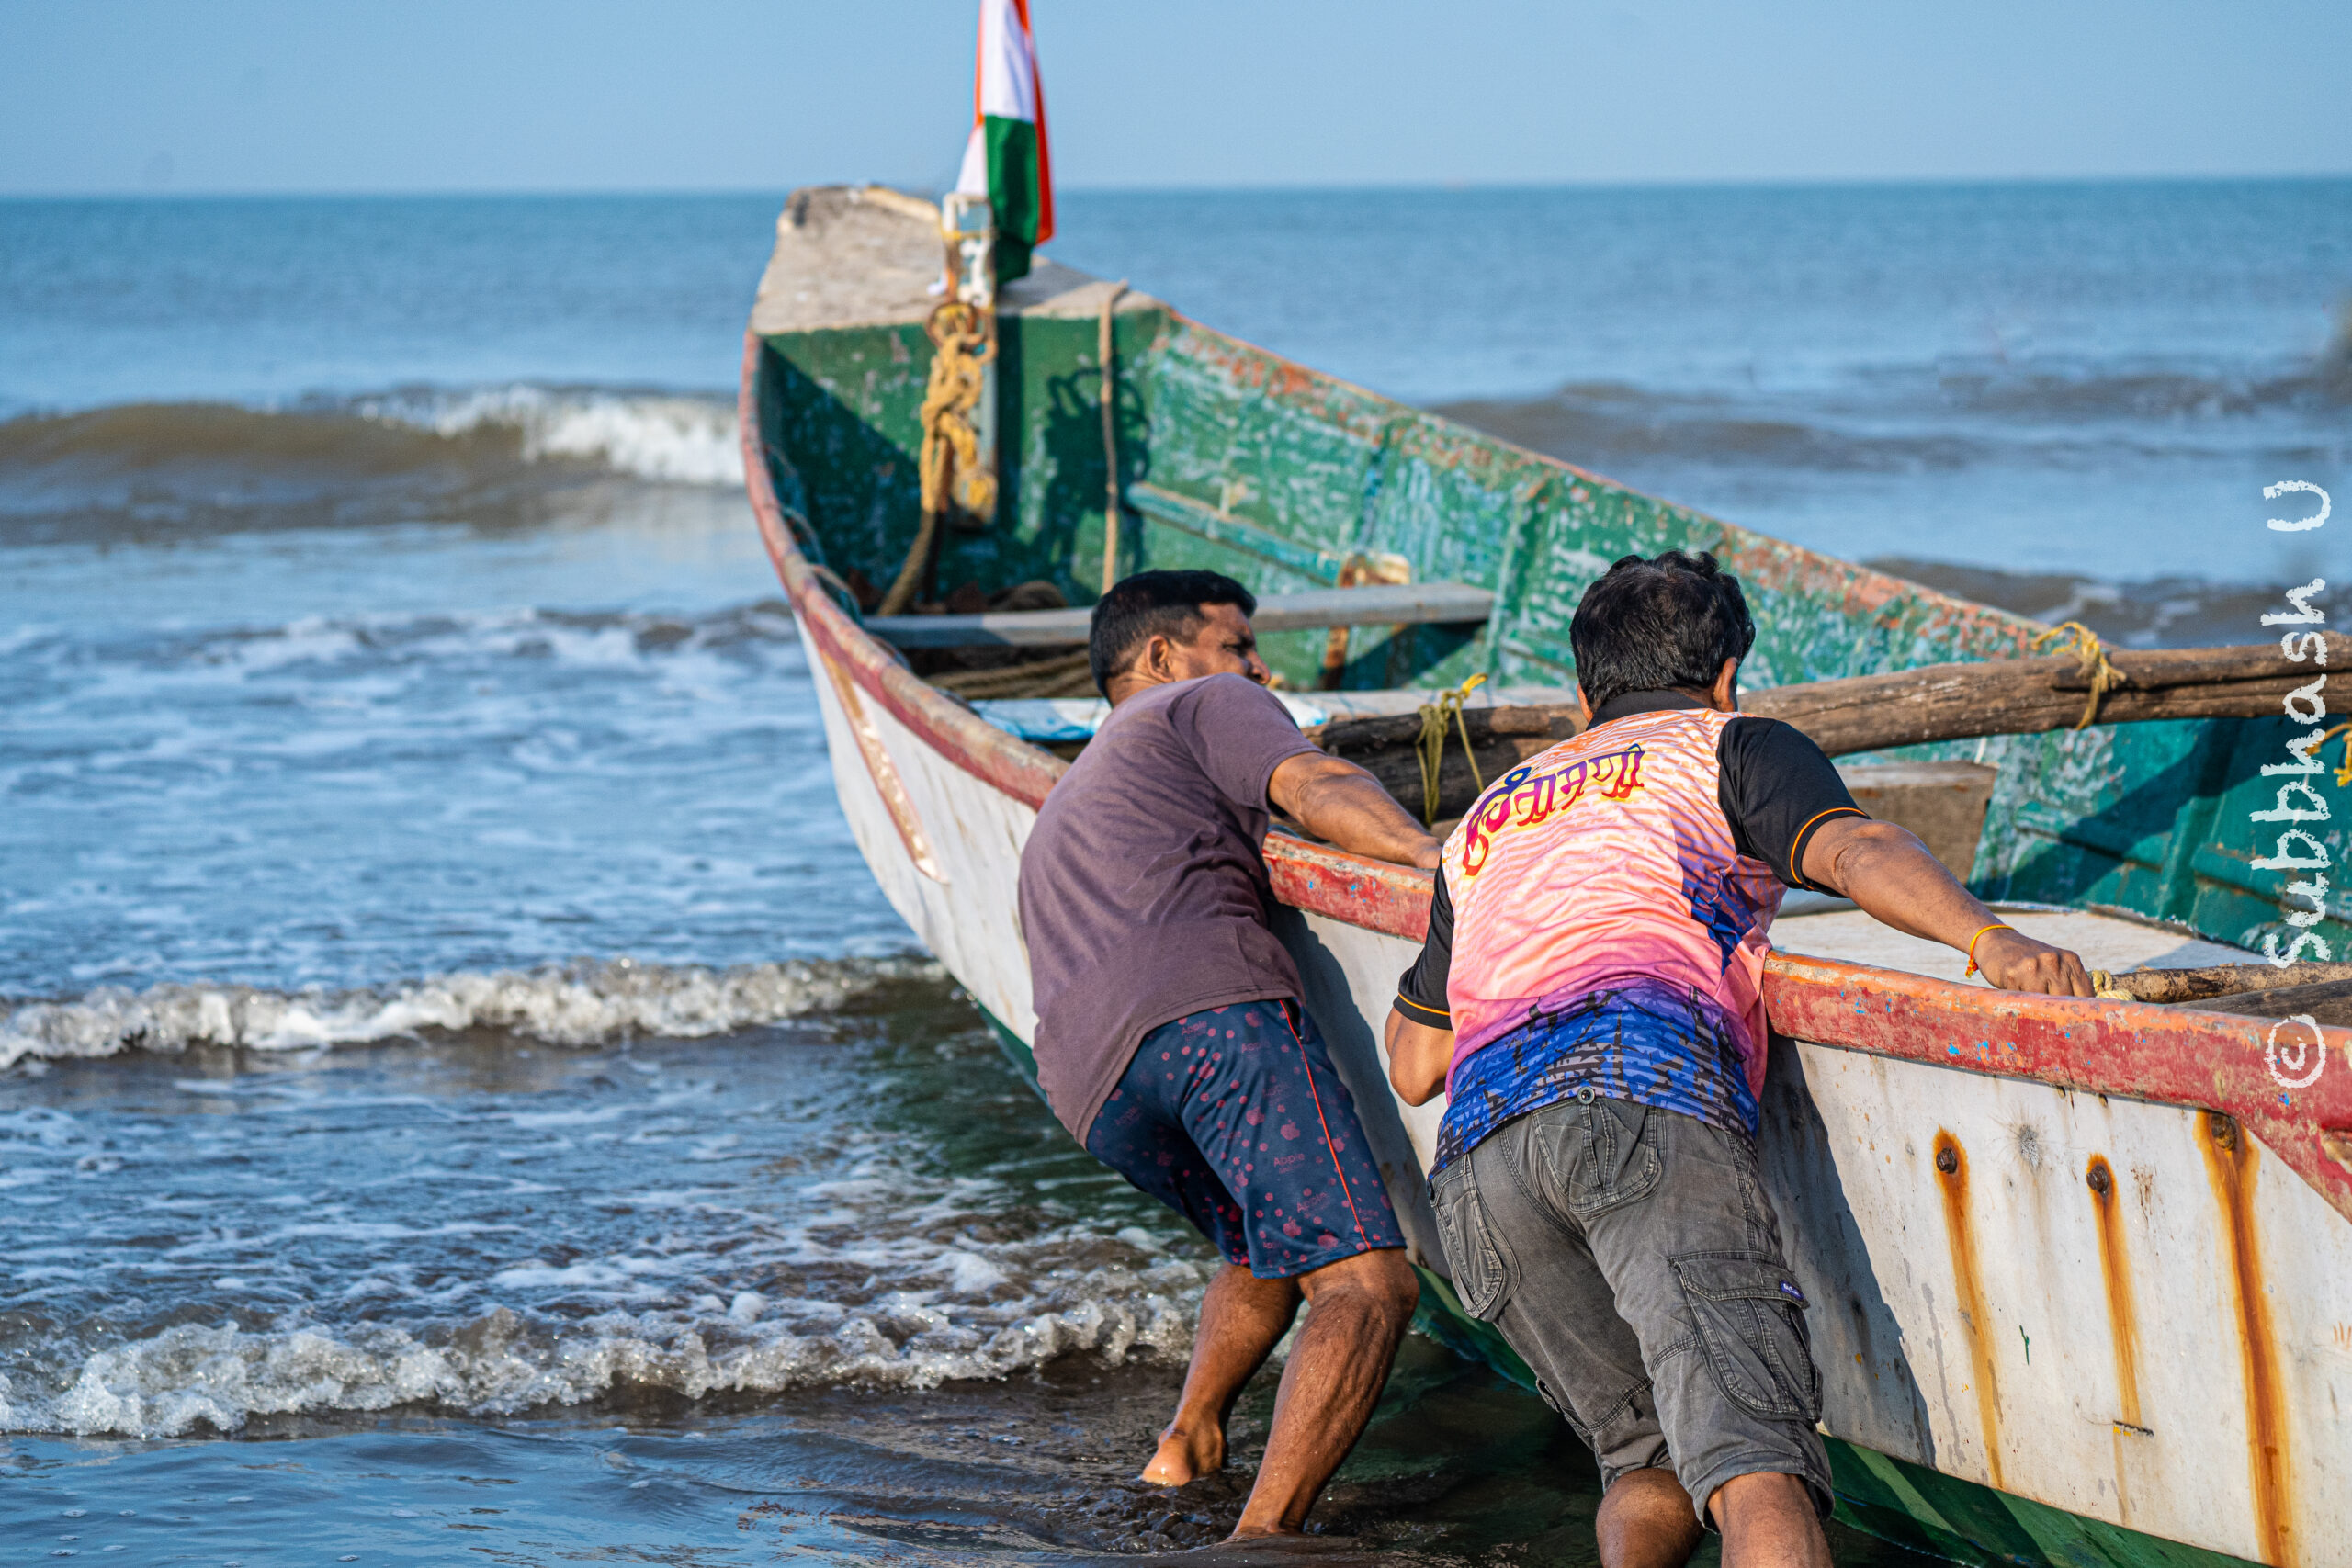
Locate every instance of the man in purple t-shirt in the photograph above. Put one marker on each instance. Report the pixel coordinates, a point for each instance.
(1171, 1038)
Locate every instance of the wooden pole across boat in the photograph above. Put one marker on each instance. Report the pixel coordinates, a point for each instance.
(2028, 696)
(1906, 707)
(2316, 993)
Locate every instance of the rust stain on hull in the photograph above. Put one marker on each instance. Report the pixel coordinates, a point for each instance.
(2230, 1166)
(2115, 1268)
(1968, 1284)
(884, 774)
(2122, 1319)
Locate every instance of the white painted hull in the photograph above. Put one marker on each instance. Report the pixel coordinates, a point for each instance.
(2223, 1426)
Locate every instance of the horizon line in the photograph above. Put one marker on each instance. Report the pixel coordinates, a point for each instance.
(1369, 188)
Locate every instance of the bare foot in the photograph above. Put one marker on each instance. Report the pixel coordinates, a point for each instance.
(1184, 1457)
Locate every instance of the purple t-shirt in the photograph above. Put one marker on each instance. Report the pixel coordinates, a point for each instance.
(1143, 889)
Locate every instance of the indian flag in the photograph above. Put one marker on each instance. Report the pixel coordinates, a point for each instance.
(1005, 158)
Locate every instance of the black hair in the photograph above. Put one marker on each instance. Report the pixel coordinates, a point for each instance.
(1150, 604)
(1656, 625)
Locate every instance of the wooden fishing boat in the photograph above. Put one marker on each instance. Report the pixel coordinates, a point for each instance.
(2079, 1267)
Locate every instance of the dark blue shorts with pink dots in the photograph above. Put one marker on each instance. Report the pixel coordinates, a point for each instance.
(1234, 1118)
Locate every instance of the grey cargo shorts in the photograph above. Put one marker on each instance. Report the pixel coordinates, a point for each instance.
(1631, 1257)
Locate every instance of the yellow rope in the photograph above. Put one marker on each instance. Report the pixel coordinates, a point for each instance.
(2344, 774)
(1432, 743)
(950, 463)
(2096, 668)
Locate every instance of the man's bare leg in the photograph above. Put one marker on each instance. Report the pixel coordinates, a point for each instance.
(1357, 1310)
(1647, 1522)
(1768, 1522)
(1242, 1319)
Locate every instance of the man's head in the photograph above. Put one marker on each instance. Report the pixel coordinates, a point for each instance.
(1157, 627)
(1655, 625)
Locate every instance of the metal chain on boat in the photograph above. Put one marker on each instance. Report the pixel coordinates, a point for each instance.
(953, 475)
(2096, 668)
(1432, 743)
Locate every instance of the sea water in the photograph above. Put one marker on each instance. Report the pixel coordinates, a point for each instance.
(460, 1090)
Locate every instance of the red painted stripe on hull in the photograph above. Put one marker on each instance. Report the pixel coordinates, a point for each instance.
(2171, 1055)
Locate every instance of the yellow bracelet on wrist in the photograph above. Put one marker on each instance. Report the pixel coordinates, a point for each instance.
(1996, 926)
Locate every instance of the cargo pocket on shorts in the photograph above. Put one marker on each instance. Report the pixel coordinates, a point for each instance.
(1751, 1325)
(1469, 1251)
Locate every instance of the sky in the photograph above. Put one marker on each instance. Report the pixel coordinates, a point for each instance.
(107, 96)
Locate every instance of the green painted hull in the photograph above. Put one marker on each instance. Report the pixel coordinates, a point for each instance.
(1295, 472)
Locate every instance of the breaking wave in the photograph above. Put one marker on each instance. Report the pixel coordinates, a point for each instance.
(988, 1312)
(485, 454)
(2146, 393)
(584, 1003)
(1599, 427)
(2161, 611)
(877, 1204)
(1918, 419)
(360, 645)
(671, 439)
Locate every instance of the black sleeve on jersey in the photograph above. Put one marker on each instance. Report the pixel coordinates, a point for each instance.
(1777, 788)
(1421, 990)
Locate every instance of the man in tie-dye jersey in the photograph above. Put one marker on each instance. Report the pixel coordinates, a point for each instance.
(1590, 997)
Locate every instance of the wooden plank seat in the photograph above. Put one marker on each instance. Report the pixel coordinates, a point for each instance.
(1381, 605)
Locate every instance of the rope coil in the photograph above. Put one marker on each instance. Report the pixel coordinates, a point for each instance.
(2096, 668)
(950, 464)
(1432, 743)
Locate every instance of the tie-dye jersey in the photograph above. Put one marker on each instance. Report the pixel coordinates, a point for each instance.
(1644, 1040)
(1602, 910)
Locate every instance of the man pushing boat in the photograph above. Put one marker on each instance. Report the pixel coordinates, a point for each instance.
(1170, 1036)
(1590, 995)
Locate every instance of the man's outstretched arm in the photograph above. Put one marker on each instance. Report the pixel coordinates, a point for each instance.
(1343, 804)
(1891, 875)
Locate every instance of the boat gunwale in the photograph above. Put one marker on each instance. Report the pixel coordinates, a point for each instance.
(2205, 1061)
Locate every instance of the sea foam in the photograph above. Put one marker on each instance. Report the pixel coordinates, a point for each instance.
(1031, 1308)
(651, 436)
(504, 1362)
(584, 1003)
